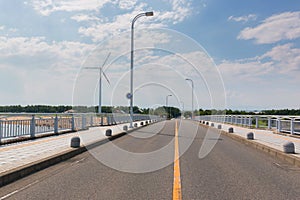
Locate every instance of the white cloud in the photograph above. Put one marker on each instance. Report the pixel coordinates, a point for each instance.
(284, 26)
(280, 60)
(286, 57)
(99, 27)
(180, 10)
(2, 28)
(251, 71)
(267, 81)
(37, 50)
(127, 4)
(84, 17)
(246, 18)
(36, 70)
(13, 30)
(46, 7)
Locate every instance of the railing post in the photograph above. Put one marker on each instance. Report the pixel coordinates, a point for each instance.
(73, 123)
(83, 122)
(108, 120)
(92, 121)
(101, 120)
(292, 126)
(32, 127)
(250, 122)
(56, 125)
(269, 123)
(1, 131)
(256, 122)
(279, 125)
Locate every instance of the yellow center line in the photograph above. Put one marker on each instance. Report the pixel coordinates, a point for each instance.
(177, 182)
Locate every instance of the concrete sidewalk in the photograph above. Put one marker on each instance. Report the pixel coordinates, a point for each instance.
(17, 155)
(264, 137)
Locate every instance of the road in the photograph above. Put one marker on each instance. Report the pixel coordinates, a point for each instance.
(230, 171)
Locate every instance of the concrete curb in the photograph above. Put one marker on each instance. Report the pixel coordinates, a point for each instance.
(23, 171)
(273, 152)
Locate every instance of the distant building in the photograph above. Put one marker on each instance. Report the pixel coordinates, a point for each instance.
(70, 111)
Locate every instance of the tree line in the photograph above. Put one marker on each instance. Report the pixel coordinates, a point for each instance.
(163, 111)
(243, 112)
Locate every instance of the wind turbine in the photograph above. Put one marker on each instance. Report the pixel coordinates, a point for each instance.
(101, 72)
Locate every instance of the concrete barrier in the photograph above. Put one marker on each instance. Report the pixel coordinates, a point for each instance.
(135, 125)
(75, 142)
(207, 123)
(219, 126)
(125, 128)
(108, 132)
(230, 130)
(212, 124)
(250, 136)
(289, 147)
(142, 123)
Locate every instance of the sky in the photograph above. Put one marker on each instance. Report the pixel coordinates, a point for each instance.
(240, 54)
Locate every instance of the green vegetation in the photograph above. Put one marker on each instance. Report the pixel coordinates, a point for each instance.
(281, 112)
(35, 109)
(62, 109)
(172, 112)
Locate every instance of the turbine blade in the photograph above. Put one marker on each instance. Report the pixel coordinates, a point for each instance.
(106, 59)
(103, 66)
(105, 77)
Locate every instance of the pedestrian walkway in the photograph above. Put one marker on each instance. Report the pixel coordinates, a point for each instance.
(16, 155)
(265, 137)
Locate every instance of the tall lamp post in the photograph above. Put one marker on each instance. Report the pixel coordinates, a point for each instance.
(188, 79)
(167, 104)
(147, 14)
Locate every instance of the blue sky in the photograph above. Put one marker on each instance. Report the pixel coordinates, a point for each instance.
(255, 46)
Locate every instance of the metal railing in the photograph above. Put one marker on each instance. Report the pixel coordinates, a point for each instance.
(283, 124)
(14, 125)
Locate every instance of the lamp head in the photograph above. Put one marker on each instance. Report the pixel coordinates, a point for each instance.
(148, 14)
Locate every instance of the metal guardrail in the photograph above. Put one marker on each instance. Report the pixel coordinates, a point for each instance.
(13, 125)
(283, 124)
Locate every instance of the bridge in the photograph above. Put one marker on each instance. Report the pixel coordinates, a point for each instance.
(210, 157)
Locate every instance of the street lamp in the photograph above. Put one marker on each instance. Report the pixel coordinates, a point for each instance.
(188, 79)
(147, 14)
(167, 104)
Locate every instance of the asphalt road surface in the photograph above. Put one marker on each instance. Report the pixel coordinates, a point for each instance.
(231, 170)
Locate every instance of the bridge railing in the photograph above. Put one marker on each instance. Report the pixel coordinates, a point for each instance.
(283, 124)
(13, 125)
